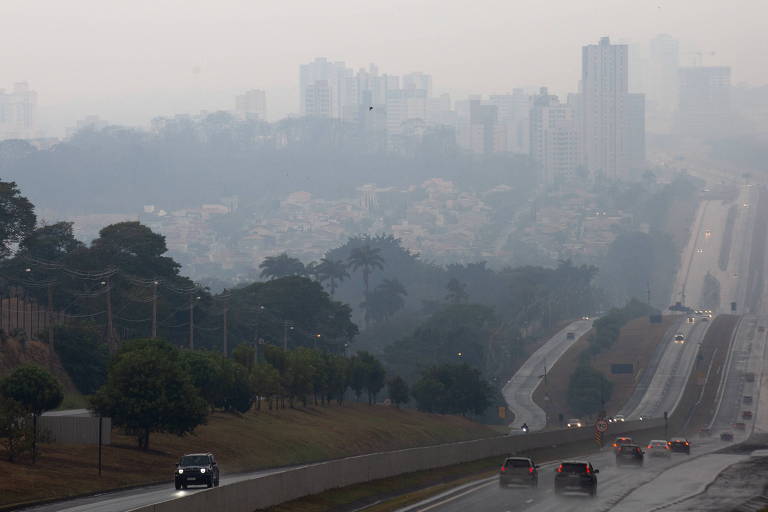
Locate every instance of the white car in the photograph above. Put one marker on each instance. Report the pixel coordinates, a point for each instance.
(658, 448)
(679, 339)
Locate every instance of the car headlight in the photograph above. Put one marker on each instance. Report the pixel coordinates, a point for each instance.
(202, 470)
(181, 471)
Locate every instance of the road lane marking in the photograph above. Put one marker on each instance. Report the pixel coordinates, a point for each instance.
(447, 500)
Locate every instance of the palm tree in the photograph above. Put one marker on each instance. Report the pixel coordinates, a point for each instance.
(282, 265)
(368, 259)
(385, 300)
(333, 271)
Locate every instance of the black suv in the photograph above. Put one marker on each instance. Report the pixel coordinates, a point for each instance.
(680, 445)
(576, 475)
(518, 471)
(629, 455)
(196, 469)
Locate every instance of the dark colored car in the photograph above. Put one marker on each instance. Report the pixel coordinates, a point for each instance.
(196, 469)
(726, 436)
(570, 336)
(621, 441)
(629, 455)
(680, 445)
(519, 471)
(576, 475)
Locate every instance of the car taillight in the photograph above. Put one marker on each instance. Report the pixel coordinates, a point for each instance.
(588, 471)
(615, 445)
(530, 470)
(686, 443)
(503, 469)
(650, 447)
(560, 469)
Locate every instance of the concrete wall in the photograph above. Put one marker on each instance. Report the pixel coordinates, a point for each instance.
(75, 429)
(269, 490)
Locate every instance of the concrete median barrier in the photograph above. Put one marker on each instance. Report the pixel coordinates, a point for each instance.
(270, 490)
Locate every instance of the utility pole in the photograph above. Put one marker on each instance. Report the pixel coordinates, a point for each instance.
(191, 321)
(286, 326)
(154, 309)
(110, 339)
(226, 348)
(49, 316)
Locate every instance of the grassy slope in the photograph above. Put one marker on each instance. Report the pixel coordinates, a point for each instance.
(253, 441)
(636, 344)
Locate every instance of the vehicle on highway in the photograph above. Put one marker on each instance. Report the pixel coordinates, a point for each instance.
(680, 445)
(747, 415)
(747, 399)
(705, 319)
(679, 338)
(726, 436)
(691, 319)
(574, 423)
(740, 426)
(576, 475)
(659, 448)
(629, 455)
(196, 469)
(619, 418)
(621, 441)
(519, 471)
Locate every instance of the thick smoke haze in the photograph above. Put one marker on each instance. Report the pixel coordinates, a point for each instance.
(130, 61)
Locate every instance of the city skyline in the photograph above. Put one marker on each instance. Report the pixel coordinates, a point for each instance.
(98, 65)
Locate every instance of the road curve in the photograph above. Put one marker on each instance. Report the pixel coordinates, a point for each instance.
(518, 391)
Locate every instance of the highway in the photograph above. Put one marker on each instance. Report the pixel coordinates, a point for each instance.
(518, 391)
(660, 482)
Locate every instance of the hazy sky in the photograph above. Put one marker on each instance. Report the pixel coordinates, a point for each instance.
(128, 61)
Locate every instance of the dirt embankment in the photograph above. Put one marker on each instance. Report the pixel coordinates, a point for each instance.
(636, 345)
(14, 353)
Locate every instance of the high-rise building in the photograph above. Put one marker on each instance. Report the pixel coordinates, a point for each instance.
(705, 99)
(333, 75)
(319, 99)
(513, 110)
(252, 104)
(634, 142)
(663, 81)
(606, 124)
(404, 105)
(418, 80)
(18, 112)
(554, 137)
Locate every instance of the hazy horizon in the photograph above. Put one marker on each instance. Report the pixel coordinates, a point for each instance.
(117, 61)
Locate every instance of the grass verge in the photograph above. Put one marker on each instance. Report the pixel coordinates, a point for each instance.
(242, 443)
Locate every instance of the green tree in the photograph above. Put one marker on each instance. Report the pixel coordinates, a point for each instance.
(299, 375)
(452, 389)
(398, 391)
(237, 393)
(385, 300)
(265, 382)
(245, 355)
(17, 217)
(35, 390)
(148, 390)
(15, 430)
(588, 390)
(333, 271)
(338, 377)
(457, 292)
(282, 265)
(206, 371)
(83, 355)
(368, 259)
(51, 243)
